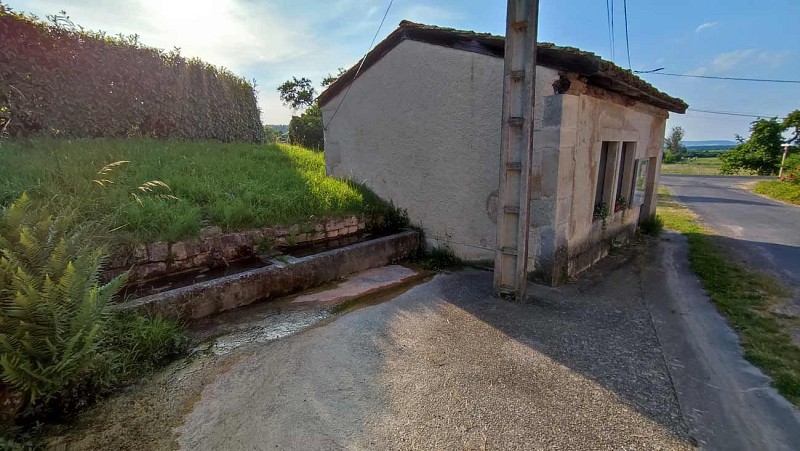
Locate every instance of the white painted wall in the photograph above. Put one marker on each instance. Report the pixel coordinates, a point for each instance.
(422, 127)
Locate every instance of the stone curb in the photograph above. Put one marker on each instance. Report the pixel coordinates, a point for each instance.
(276, 280)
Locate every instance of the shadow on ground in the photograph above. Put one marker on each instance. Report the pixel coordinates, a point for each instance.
(578, 367)
(718, 200)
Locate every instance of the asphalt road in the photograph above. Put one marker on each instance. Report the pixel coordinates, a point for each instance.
(727, 403)
(765, 232)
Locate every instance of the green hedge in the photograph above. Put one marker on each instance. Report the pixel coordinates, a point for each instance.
(62, 80)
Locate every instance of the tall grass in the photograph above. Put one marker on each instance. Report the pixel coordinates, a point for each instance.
(231, 185)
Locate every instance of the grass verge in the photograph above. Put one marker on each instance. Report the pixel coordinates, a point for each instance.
(787, 192)
(742, 296)
(235, 186)
(694, 166)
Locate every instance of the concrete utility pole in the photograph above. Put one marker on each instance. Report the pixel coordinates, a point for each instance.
(783, 160)
(514, 197)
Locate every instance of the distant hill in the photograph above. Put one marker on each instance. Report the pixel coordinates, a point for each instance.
(710, 143)
(283, 129)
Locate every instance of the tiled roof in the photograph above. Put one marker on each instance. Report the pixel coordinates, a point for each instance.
(598, 72)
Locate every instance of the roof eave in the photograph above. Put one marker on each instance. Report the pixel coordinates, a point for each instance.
(599, 72)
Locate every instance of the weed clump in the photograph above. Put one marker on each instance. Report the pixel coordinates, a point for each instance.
(439, 258)
(652, 226)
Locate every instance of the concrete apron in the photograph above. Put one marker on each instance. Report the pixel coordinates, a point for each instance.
(276, 280)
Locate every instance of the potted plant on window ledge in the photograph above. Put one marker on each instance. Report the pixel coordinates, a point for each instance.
(620, 204)
(601, 211)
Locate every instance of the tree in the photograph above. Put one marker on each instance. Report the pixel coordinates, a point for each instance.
(792, 122)
(271, 135)
(306, 129)
(673, 149)
(296, 93)
(761, 153)
(329, 79)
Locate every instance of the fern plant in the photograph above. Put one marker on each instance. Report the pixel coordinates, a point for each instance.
(53, 308)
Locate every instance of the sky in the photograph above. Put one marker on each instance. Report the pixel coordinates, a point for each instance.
(270, 41)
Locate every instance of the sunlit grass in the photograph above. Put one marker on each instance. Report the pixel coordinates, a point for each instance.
(231, 185)
(787, 192)
(742, 296)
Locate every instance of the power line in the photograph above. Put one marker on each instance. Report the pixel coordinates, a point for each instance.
(763, 80)
(610, 33)
(731, 113)
(613, 40)
(386, 13)
(627, 40)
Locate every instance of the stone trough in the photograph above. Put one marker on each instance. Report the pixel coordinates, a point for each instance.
(278, 279)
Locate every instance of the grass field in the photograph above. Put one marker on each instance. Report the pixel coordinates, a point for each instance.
(742, 296)
(231, 185)
(787, 192)
(695, 166)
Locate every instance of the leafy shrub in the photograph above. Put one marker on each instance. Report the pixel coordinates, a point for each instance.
(115, 86)
(60, 343)
(53, 306)
(760, 154)
(440, 258)
(791, 170)
(385, 216)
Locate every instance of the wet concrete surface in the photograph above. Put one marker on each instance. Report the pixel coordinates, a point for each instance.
(145, 415)
(762, 231)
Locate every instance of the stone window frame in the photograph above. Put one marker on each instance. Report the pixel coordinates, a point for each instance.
(606, 174)
(626, 177)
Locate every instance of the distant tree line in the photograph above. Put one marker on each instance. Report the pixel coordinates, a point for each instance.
(761, 153)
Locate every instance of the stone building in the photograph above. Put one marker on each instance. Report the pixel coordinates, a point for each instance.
(420, 124)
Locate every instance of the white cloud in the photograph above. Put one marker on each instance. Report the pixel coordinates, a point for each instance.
(749, 59)
(699, 71)
(705, 26)
(427, 14)
(727, 61)
(774, 59)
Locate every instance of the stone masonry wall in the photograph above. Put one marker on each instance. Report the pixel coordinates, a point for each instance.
(214, 248)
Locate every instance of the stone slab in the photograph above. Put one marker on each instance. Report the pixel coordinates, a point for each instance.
(361, 284)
